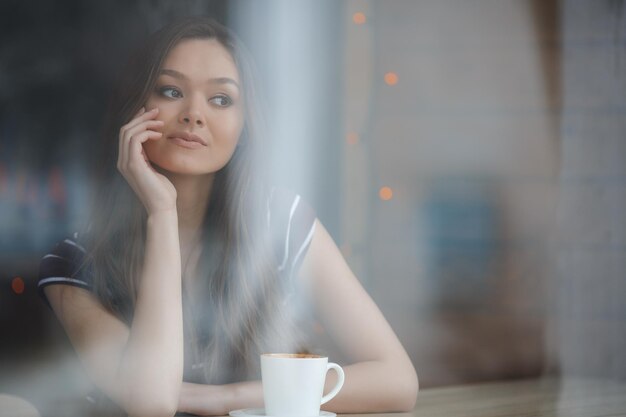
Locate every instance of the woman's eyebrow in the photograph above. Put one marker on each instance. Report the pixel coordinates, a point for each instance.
(181, 76)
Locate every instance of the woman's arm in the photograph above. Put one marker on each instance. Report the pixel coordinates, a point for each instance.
(218, 400)
(381, 377)
(139, 368)
(151, 367)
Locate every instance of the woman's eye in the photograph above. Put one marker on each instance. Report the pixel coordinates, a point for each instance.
(222, 101)
(170, 92)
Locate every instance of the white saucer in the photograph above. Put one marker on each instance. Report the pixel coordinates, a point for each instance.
(260, 412)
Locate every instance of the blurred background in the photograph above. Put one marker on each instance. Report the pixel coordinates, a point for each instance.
(468, 157)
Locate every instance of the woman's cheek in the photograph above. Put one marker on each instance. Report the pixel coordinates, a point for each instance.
(233, 129)
(150, 104)
(150, 148)
(166, 108)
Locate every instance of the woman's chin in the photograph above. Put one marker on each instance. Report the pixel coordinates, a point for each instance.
(169, 168)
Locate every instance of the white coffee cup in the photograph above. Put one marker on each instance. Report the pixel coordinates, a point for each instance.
(293, 384)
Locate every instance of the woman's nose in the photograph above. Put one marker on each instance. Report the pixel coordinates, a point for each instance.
(192, 116)
(192, 119)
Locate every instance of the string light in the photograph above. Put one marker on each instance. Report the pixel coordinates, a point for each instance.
(391, 78)
(17, 285)
(359, 18)
(385, 193)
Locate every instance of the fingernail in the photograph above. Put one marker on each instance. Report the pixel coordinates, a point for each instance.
(156, 109)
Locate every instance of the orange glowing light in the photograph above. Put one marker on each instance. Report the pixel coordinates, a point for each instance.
(359, 18)
(385, 193)
(352, 138)
(391, 78)
(17, 285)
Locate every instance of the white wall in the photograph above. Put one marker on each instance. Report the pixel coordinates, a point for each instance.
(458, 259)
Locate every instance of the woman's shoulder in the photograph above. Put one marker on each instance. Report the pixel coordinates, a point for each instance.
(291, 221)
(64, 264)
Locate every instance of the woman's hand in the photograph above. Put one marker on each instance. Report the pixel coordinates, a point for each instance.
(218, 400)
(154, 190)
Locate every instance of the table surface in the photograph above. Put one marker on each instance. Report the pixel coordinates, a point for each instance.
(526, 398)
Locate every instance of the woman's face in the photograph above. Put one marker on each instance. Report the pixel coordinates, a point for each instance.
(197, 93)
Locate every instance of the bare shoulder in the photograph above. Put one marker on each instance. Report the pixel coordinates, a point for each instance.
(324, 263)
(343, 306)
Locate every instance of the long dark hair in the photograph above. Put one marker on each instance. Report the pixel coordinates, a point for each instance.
(241, 314)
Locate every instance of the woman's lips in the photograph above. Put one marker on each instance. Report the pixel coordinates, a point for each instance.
(187, 140)
(186, 143)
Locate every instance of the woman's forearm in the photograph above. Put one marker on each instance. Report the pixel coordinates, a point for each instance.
(152, 363)
(369, 387)
(218, 400)
(374, 386)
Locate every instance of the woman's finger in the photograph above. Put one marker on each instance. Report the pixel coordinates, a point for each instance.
(146, 125)
(121, 155)
(136, 145)
(128, 133)
(141, 118)
(144, 136)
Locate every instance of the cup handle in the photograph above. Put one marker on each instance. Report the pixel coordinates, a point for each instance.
(338, 385)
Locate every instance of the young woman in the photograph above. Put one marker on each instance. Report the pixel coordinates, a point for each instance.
(191, 266)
